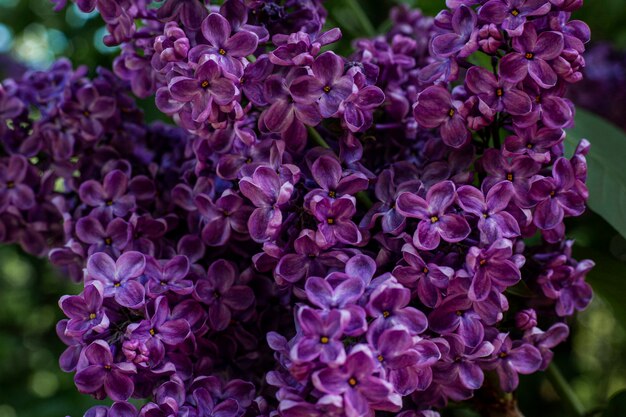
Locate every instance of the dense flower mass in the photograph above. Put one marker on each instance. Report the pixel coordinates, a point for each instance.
(318, 235)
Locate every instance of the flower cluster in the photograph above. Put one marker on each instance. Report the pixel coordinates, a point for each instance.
(319, 235)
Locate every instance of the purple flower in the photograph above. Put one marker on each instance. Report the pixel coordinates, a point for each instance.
(320, 336)
(534, 142)
(548, 106)
(358, 108)
(511, 359)
(362, 391)
(190, 12)
(545, 341)
(101, 372)
(268, 193)
(531, 56)
(205, 90)
(436, 109)
(492, 268)
(463, 38)
(228, 214)
(109, 197)
(217, 290)
(456, 315)
(119, 278)
(13, 189)
(512, 14)
(556, 196)
(499, 94)
(85, 311)
(207, 405)
(329, 175)
(465, 361)
(228, 51)
(517, 170)
(168, 275)
(91, 110)
(526, 319)
(111, 240)
(435, 220)
(567, 286)
(335, 222)
(429, 278)
(253, 77)
(494, 222)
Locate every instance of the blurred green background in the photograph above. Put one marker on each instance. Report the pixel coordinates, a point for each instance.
(31, 384)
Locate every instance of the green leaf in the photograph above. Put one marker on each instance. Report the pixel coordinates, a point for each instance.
(606, 162)
(616, 406)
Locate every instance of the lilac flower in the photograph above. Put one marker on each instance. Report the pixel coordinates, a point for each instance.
(463, 38)
(511, 359)
(531, 56)
(268, 193)
(13, 188)
(205, 90)
(435, 220)
(512, 14)
(534, 142)
(111, 196)
(207, 406)
(217, 290)
(102, 373)
(545, 341)
(526, 319)
(494, 222)
(119, 278)
(456, 315)
(321, 333)
(228, 214)
(356, 382)
(567, 286)
(464, 361)
(358, 108)
(492, 267)
(435, 108)
(556, 196)
(111, 240)
(190, 12)
(91, 109)
(335, 222)
(85, 311)
(334, 87)
(429, 278)
(168, 275)
(227, 50)
(518, 170)
(499, 94)
(548, 106)
(329, 175)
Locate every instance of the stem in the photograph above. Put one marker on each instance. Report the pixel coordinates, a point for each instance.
(564, 390)
(317, 138)
(360, 15)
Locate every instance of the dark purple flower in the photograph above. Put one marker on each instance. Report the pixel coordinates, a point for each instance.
(111, 240)
(429, 279)
(545, 341)
(13, 190)
(119, 278)
(494, 222)
(499, 94)
(226, 215)
(362, 391)
(531, 56)
(101, 372)
(207, 89)
(358, 108)
(329, 175)
(320, 336)
(517, 170)
(465, 361)
(190, 12)
(556, 196)
(335, 222)
(207, 406)
(228, 51)
(111, 196)
(85, 311)
(463, 38)
(435, 108)
(218, 290)
(511, 359)
(512, 14)
(548, 106)
(91, 109)
(567, 286)
(436, 222)
(267, 193)
(168, 275)
(492, 268)
(456, 315)
(526, 319)
(534, 142)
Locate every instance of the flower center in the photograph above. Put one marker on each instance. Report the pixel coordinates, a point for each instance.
(152, 332)
(330, 220)
(324, 340)
(515, 12)
(380, 358)
(434, 219)
(386, 314)
(352, 382)
(451, 112)
(10, 185)
(222, 51)
(204, 84)
(529, 146)
(332, 194)
(107, 367)
(529, 55)
(327, 89)
(499, 92)
(86, 113)
(425, 270)
(109, 203)
(503, 355)
(482, 262)
(92, 316)
(216, 295)
(509, 176)
(459, 313)
(552, 193)
(117, 285)
(108, 241)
